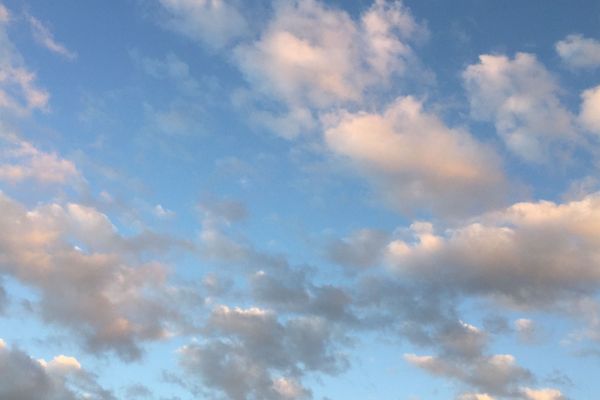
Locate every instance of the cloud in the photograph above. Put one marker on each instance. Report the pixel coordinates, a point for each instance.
(527, 330)
(589, 116)
(21, 161)
(312, 56)
(577, 51)
(18, 90)
(249, 353)
(62, 378)
(415, 160)
(475, 396)
(214, 23)
(521, 98)
(497, 374)
(173, 69)
(543, 394)
(363, 248)
(44, 36)
(534, 254)
(88, 277)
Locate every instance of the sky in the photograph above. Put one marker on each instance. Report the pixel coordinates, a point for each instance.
(299, 199)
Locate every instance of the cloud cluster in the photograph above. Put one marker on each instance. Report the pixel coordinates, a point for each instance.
(521, 98)
(62, 378)
(249, 353)
(89, 278)
(311, 57)
(533, 254)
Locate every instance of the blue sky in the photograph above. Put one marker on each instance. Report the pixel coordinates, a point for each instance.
(220, 199)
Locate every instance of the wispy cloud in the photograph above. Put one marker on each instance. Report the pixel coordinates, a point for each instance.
(42, 34)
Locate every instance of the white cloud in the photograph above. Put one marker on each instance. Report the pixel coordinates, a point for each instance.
(312, 56)
(415, 160)
(543, 394)
(521, 98)
(215, 23)
(18, 90)
(589, 116)
(533, 254)
(578, 51)
(44, 36)
(21, 161)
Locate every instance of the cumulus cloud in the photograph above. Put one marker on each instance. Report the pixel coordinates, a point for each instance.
(497, 374)
(312, 56)
(577, 51)
(62, 378)
(363, 248)
(415, 160)
(521, 98)
(88, 277)
(215, 23)
(44, 36)
(250, 353)
(21, 161)
(589, 116)
(18, 90)
(533, 254)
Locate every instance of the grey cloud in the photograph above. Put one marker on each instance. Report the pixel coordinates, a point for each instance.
(23, 378)
(108, 298)
(496, 375)
(250, 354)
(363, 248)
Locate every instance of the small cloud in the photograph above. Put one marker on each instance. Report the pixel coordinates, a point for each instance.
(577, 51)
(162, 212)
(44, 37)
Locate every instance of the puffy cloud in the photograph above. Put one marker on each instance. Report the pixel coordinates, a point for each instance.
(215, 23)
(543, 394)
(312, 56)
(578, 51)
(88, 277)
(252, 354)
(361, 249)
(44, 36)
(415, 160)
(62, 378)
(20, 161)
(18, 90)
(589, 116)
(533, 254)
(521, 98)
(497, 374)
